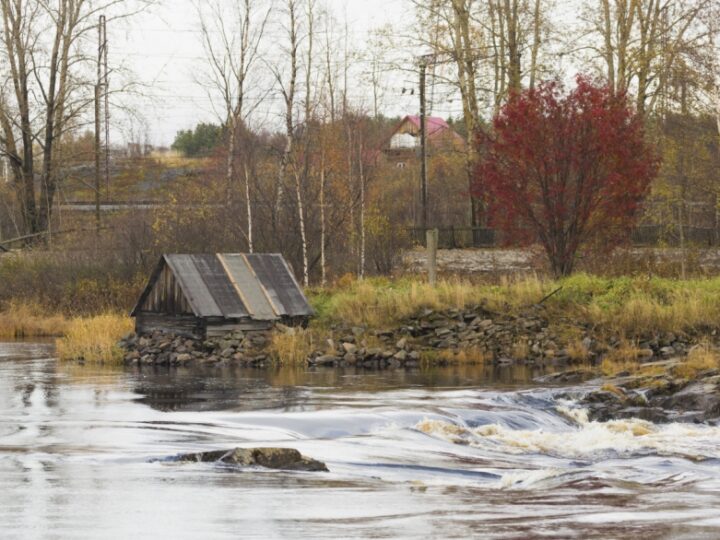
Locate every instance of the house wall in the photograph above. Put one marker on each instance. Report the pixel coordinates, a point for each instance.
(181, 325)
(166, 296)
(194, 327)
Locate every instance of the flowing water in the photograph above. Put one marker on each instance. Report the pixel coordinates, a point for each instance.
(454, 453)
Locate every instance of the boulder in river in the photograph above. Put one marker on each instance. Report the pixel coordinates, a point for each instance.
(286, 459)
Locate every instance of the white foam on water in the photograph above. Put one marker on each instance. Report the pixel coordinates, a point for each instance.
(585, 439)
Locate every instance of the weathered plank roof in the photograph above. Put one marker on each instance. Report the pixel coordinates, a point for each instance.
(234, 286)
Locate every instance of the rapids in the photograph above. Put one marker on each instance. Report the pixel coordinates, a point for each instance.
(444, 454)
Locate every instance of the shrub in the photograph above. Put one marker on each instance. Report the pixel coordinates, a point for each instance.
(69, 283)
(701, 358)
(94, 339)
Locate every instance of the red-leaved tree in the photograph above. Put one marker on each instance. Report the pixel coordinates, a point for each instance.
(567, 169)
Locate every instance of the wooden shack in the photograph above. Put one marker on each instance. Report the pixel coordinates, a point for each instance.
(209, 295)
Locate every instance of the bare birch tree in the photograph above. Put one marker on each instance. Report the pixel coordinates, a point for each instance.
(232, 35)
(361, 178)
(299, 177)
(643, 44)
(44, 61)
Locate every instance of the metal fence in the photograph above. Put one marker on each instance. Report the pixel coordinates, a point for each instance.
(653, 235)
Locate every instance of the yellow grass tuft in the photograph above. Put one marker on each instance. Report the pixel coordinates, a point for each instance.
(577, 351)
(94, 339)
(293, 347)
(622, 358)
(472, 355)
(520, 350)
(29, 320)
(701, 358)
(467, 356)
(607, 387)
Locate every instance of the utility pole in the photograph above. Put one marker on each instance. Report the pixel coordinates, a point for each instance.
(423, 148)
(100, 90)
(106, 91)
(97, 155)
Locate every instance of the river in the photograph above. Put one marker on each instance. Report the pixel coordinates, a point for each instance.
(447, 453)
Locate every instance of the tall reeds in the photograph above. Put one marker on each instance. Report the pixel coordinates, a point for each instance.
(94, 339)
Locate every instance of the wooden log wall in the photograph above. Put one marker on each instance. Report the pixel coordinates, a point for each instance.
(181, 325)
(166, 296)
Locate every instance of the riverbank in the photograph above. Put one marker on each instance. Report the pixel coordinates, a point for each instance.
(604, 324)
(405, 323)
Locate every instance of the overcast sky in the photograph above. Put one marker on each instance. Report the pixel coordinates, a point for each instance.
(163, 50)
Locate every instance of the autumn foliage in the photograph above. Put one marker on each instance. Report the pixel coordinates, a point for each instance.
(566, 169)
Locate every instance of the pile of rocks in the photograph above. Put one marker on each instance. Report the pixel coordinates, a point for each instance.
(165, 349)
(660, 398)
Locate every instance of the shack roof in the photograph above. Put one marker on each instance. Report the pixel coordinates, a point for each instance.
(234, 285)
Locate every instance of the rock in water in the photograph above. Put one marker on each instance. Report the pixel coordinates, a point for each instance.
(286, 459)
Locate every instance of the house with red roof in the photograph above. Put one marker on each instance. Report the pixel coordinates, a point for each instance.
(398, 165)
(404, 142)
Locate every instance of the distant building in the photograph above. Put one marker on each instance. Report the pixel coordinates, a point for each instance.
(404, 143)
(398, 165)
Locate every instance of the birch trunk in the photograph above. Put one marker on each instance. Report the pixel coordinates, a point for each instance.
(323, 267)
(361, 174)
(248, 209)
(303, 237)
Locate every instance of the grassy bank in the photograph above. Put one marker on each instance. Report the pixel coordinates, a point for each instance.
(626, 307)
(630, 306)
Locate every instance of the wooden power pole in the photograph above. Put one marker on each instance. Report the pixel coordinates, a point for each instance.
(106, 100)
(423, 148)
(97, 157)
(101, 91)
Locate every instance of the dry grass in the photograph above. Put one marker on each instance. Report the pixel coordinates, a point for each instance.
(292, 348)
(28, 320)
(577, 351)
(175, 159)
(701, 358)
(607, 387)
(633, 306)
(379, 303)
(94, 339)
(683, 312)
(623, 358)
(472, 355)
(521, 350)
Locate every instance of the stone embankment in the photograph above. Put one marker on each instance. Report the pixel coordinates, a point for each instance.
(471, 335)
(166, 349)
